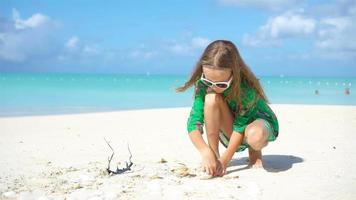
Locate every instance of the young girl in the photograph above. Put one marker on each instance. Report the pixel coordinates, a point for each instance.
(229, 99)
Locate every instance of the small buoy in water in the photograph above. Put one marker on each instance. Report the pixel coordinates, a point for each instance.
(347, 91)
(316, 92)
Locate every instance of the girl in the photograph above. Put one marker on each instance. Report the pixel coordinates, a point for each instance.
(229, 99)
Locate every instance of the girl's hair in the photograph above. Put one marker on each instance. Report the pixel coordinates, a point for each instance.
(223, 54)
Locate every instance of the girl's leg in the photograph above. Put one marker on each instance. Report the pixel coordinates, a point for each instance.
(216, 116)
(227, 119)
(256, 135)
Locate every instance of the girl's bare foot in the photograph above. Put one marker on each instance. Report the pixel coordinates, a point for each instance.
(255, 158)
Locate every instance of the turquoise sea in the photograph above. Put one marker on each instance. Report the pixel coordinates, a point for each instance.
(57, 93)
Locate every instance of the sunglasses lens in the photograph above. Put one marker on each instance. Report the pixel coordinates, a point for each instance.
(221, 85)
(207, 83)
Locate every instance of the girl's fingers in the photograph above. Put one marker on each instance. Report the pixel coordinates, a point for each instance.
(221, 171)
(207, 170)
(218, 170)
(212, 171)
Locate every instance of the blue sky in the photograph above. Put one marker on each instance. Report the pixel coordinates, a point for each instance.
(289, 37)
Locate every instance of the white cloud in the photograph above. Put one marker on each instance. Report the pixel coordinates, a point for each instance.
(290, 24)
(34, 21)
(337, 35)
(334, 8)
(336, 30)
(72, 43)
(10, 47)
(259, 41)
(21, 39)
(76, 49)
(200, 42)
(91, 50)
(329, 28)
(273, 5)
(143, 54)
(188, 48)
(179, 48)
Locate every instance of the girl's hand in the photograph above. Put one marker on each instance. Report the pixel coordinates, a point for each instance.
(210, 163)
(223, 164)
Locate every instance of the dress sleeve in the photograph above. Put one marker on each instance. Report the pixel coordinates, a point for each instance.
(196, 116)
(249, 108)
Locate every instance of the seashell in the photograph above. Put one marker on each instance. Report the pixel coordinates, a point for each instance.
(181, 171)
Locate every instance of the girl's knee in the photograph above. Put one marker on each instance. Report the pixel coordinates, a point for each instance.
(258, 146)
(212, 99)
(255, 137)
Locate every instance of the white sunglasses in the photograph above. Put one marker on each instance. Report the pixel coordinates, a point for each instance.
(219, 84)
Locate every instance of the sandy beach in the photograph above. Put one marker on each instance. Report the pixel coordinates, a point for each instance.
(65, 157)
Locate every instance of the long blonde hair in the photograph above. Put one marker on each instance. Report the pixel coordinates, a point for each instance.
(223, 54)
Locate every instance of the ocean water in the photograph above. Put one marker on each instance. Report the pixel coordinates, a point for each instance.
(54, 93)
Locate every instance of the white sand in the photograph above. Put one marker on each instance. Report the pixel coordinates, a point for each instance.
(65, 156)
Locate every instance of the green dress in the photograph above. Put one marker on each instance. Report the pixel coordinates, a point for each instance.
(259, 110)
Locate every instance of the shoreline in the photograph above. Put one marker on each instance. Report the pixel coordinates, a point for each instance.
(158, 108)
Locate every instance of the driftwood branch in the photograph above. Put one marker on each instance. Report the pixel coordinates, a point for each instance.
(118, 171)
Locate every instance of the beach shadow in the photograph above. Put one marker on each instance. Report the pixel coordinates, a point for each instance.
(271, 163)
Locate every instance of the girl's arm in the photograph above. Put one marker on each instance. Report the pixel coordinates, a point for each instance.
(210, 162)
(198, 141)
(235, 141)
(196, 116)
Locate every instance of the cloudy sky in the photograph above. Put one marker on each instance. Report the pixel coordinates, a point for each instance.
(289, 37)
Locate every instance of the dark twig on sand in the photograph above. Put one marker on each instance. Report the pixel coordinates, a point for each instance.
(118, 171)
